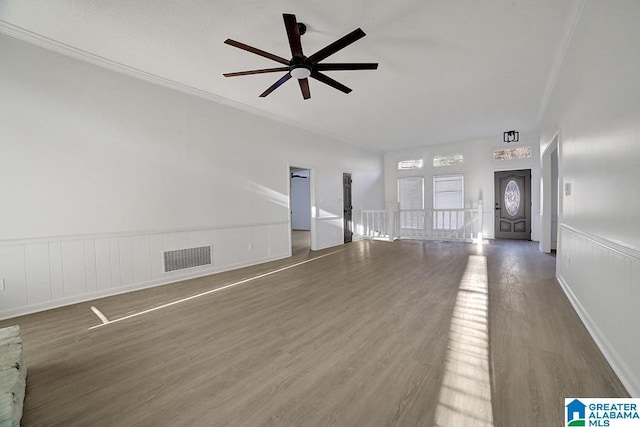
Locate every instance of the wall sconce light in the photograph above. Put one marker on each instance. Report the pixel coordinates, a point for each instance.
(511, 136)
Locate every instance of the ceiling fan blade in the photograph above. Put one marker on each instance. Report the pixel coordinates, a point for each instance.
(329, 81)
(347, 66)
(341, 43)
(256, 51)
(276, 85)
(304, 87)
(293, 33)
(247, 73)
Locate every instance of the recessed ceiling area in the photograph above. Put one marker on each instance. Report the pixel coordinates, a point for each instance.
(448, 71)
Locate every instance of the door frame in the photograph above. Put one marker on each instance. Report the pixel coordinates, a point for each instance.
(498, 197)
(546, 215)
(344, 219)
(312, 231)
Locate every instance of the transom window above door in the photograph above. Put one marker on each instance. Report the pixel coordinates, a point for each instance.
(410, 164)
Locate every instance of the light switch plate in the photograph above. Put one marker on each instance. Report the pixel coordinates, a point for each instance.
(1, 284)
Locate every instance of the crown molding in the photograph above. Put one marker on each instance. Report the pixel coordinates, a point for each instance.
(70, 51)
(39, 40)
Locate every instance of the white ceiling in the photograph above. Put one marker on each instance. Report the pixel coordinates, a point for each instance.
(450, 70)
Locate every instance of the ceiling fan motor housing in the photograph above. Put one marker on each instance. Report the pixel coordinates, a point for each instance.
(300, 66)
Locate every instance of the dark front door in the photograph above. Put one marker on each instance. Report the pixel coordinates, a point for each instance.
(513, 204)
(348, 209)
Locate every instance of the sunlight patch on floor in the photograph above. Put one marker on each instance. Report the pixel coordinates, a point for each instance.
(465, 396)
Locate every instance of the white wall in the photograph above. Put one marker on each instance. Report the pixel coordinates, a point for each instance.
(478, 169)
(595, 107)
(100, 173)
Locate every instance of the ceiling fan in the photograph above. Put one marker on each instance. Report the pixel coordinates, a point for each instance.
(300, 66)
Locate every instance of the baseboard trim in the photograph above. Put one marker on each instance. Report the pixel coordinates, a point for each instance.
(621, 369)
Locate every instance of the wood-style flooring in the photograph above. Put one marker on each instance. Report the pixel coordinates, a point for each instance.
(361, 335)
(300, 242)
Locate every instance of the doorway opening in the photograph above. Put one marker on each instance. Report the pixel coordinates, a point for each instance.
(300, 209)
(513, 204)
(554, 200)
(551, 200)
(348, 208)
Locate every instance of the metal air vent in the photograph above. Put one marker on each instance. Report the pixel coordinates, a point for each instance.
(187, 258)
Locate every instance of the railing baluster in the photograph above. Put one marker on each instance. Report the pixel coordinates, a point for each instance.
(447, 224)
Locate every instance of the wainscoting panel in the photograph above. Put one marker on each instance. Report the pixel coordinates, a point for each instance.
(602, 280)
(259, 242)
(114, 262)
(278, 245)
(38, 278)
(157, 246)
(73, 268)
(15, 283)
(44, 273)
(232, 246)
(90, 266)
(103, 264)
(329, 231)
(141, 254)
(126, 260)
(55, 268)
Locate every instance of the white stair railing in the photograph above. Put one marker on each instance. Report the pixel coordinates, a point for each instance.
(437, 224)
(379, 224)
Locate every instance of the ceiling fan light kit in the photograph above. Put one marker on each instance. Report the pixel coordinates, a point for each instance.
(302, 67)
(300, 72)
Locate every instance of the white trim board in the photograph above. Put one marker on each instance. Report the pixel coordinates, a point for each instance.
(93, 236)
(621, 249)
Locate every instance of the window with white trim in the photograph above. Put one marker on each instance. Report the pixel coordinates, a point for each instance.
(411, 199)
(448, 202)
